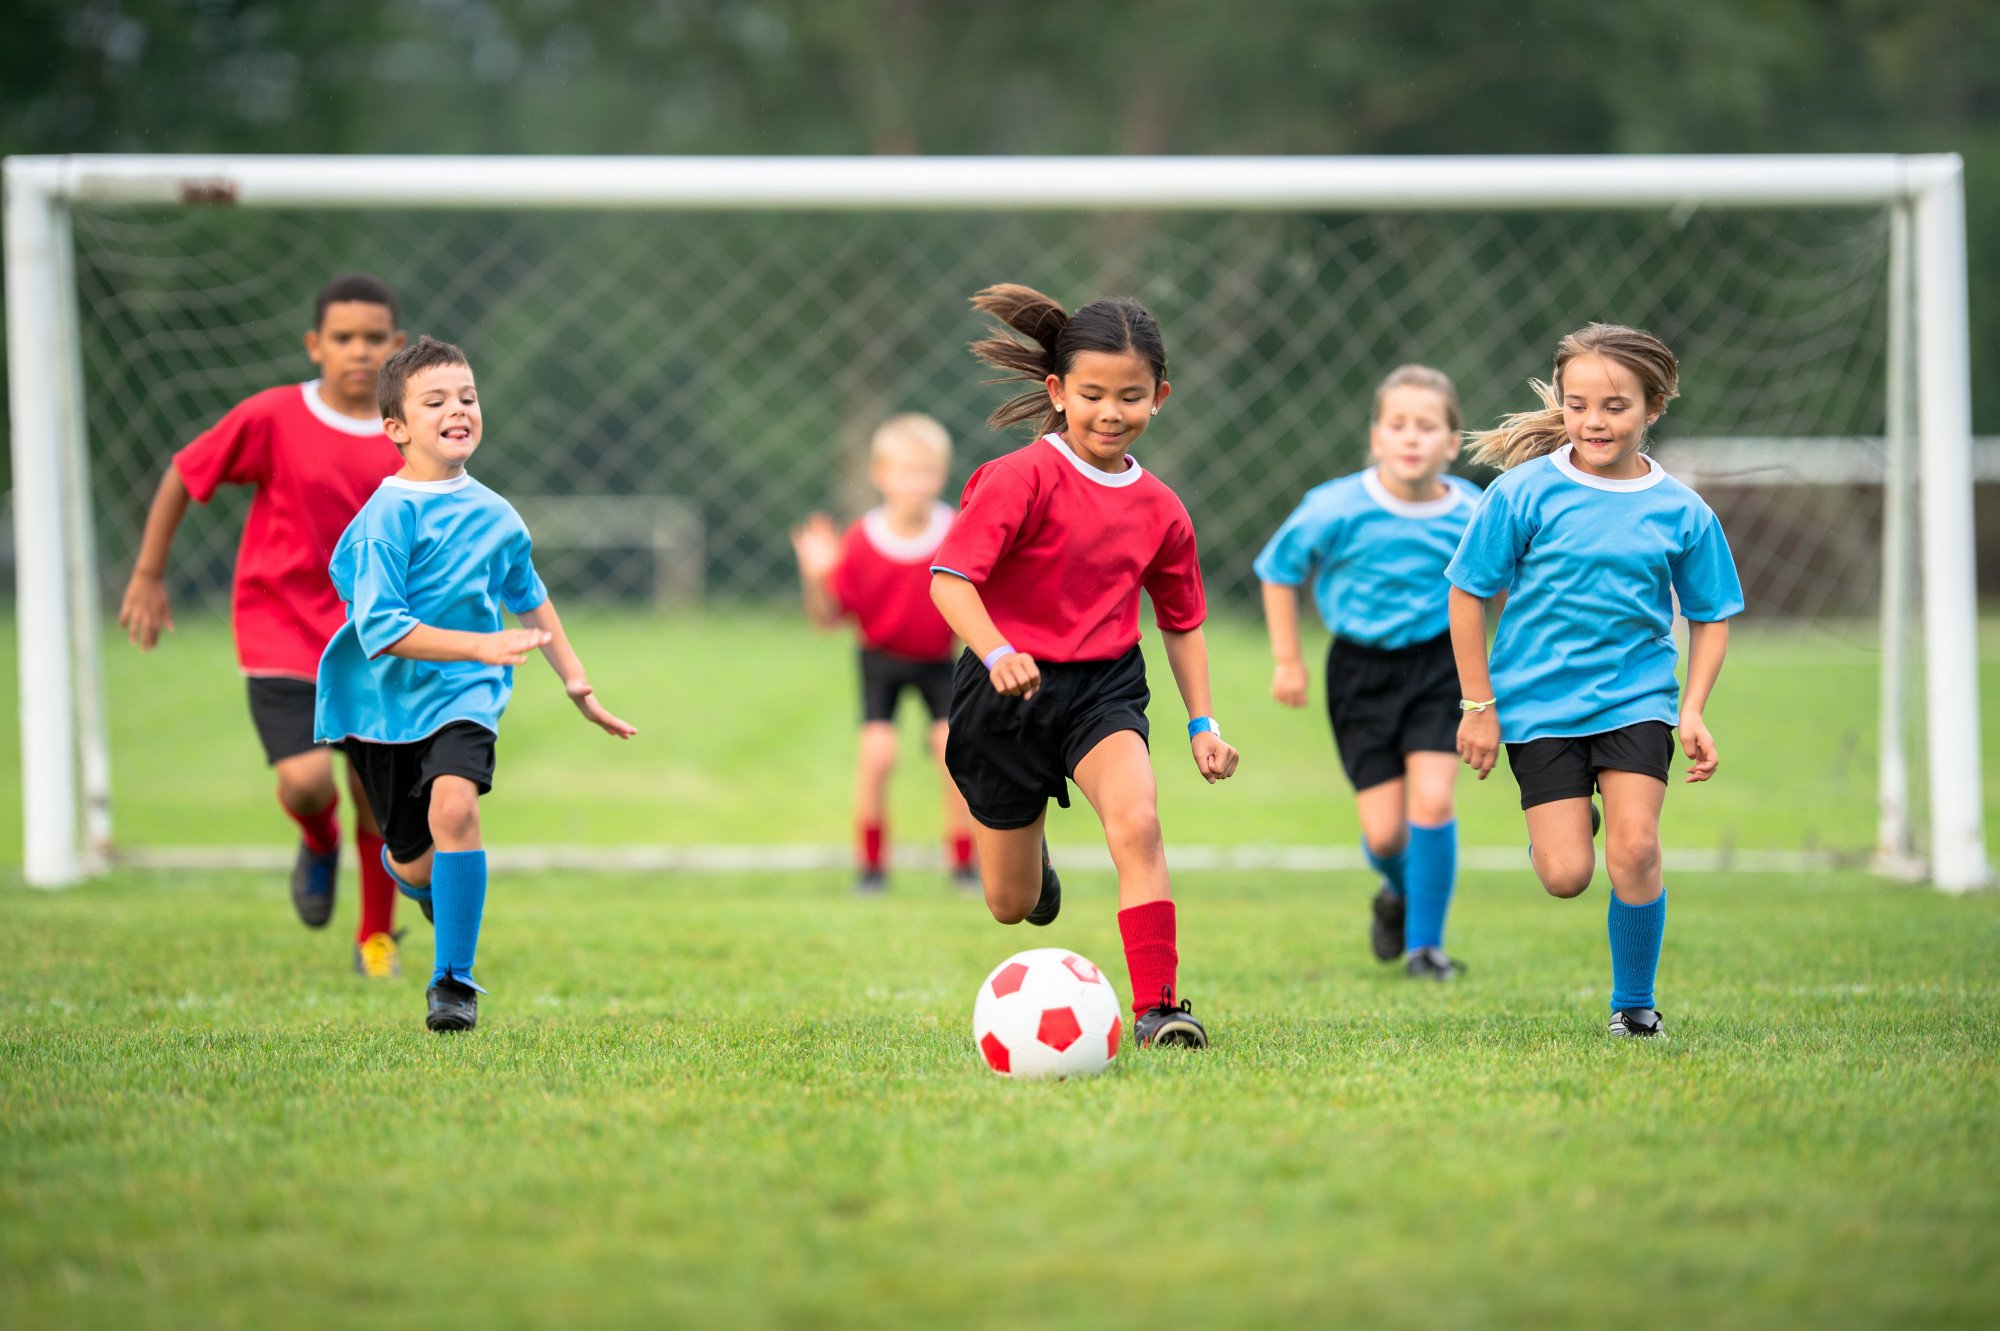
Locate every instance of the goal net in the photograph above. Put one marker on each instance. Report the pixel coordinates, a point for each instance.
(687, 375)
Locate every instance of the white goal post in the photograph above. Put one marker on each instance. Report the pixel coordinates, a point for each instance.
(1928, 523)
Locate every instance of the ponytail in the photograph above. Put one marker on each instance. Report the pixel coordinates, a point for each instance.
(1532, 434)
(1525, 434)
(1035, 339)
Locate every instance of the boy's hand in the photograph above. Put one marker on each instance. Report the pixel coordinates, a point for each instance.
(593, 711)
(1215, 760)
(510, 647)
(1288, 683)
(1479, 741)
(1017, 676)
(144, 611)
(1699, 746)
(816, 542)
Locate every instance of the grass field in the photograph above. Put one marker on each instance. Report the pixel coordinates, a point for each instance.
(751, 1099)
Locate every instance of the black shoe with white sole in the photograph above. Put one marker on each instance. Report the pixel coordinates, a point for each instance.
(1639, 1021)
(1431, 963)
(1165, 1024)
(453, 1006)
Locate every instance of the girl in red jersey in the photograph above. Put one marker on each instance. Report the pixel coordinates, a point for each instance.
(1040, 578)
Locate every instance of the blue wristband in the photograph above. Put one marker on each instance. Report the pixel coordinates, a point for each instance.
(1201, 723)
(993, 657)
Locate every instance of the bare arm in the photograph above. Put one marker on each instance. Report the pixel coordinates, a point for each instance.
(569, 668)
(144, 611)
(1015, 674)
(1187, 657)
(1478, 732)
(1707, 644)
(816, 542)
(507, 647)
(1281, 618)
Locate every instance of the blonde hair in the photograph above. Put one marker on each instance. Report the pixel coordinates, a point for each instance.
(1423, 376)
(1531, 434)
(912, 427)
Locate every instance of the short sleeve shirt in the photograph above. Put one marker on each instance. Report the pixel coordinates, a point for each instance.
(884, 582)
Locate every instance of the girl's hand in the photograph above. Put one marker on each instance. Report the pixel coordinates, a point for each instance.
(1699, 746)
(816, 542)
(1017, 676)
(1288, 683)
(510, 647)
(144, 611)
(1479, 741)
(593, 711)
(1215, 760)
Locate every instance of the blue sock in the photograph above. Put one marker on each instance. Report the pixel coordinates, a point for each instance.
(410, 890)
(1389, 866)
(458, 900)
(1432, 873)
(1635, 950)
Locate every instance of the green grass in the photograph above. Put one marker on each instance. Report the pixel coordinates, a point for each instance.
(752, 1100)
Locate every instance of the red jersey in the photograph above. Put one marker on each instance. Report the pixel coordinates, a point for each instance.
(884, 581)
(313, 468)
(1059, 551)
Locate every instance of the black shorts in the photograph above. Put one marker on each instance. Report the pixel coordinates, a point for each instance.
(397, 779)
(884, 677)
(1010, 757)
(282, 710)
(1566, 769)
(1385, 703)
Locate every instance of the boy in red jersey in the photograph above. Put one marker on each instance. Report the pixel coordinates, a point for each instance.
(879, 574)
(314, 452)
(1041, 577)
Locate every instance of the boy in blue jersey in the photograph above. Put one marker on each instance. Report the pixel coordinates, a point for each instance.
(1374, 546)
(1592, 543)
(413, 684)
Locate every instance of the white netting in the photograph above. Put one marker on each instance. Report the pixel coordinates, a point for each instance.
(695, 382)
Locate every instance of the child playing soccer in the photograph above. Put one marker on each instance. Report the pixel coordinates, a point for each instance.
(413, 684)
(314, 453)
(1592, 542)
(1375, 545)
(879, 573)
(1040, 578)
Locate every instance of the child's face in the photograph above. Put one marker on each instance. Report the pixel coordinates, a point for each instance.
(909, 476)
(349, 346)
(440, 426)
(1605, 415)
(1412, 438)
(1108, 399)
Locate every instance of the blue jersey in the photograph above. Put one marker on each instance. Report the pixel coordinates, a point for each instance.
(1591, 568)
(1376, 562)
(447, 554)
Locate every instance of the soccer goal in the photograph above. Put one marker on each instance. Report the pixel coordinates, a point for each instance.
(687, 337)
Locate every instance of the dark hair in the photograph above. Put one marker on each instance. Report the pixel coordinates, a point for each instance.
(1055, 339)
(354, 286)
(426, 353)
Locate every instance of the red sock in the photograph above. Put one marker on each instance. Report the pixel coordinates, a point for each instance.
(1150, 956)
(378, 890)
(961, 850)
(871, 845)
(321, 830)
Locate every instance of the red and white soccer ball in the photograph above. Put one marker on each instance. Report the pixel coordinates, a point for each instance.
(1047, 1012)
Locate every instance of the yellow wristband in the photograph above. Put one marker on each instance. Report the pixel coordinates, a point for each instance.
(1467, 705)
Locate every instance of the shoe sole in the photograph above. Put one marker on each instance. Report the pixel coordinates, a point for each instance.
(1178, 1035)
(451, 1023)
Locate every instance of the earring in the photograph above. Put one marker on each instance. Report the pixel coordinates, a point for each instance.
(1156, 411)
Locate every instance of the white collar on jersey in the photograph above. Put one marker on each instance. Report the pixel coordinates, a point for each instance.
(1371, 481)
(1655, 473)
(445, 487)
(332, 419)
(1113, 480)
(906, 549)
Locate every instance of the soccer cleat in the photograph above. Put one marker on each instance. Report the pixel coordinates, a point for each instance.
(1386, 934)
(313, 879)
(1431, 963)
(1637, 1021)
(453, 1007)
(1050, 903)
(375, 957)
(1165, 1024)
(871, 883)
(965, 879)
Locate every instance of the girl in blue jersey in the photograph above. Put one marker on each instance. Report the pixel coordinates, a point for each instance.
(1374, 545)
(1590, 541)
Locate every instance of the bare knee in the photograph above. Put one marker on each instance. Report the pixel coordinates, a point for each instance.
(1007, 907)
(1430, 810)
(1134, 829)
(1563, 876)
(1632, 857)
(454, 813)
(1386, 845)
(306, 788)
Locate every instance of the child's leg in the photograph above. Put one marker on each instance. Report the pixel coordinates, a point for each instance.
(1116, 777)
(457, 877)
(1385, 831)
(1010, 867)
(310, 799)
(378, 889)
(1564, 855)
(957, 818)
(1431, 868)
(1637, 916)
(871, 791)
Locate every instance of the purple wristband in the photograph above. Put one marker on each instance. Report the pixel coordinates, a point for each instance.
(992, 658)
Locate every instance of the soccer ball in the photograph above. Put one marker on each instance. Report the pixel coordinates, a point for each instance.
(1046, 1012)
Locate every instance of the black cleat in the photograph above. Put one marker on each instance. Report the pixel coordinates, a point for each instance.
(871, 883)
(313, 880)
(1386, 934)
(1596, 820)
(1637, 1021)
(453, 1007)
(1050, 905)
(1431, 963)
(1165, 1024)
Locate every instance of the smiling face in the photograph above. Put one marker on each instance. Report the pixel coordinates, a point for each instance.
(1412, 438)
(1605, 414)
(1107, 399)
(354, 337)
(439, 427)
